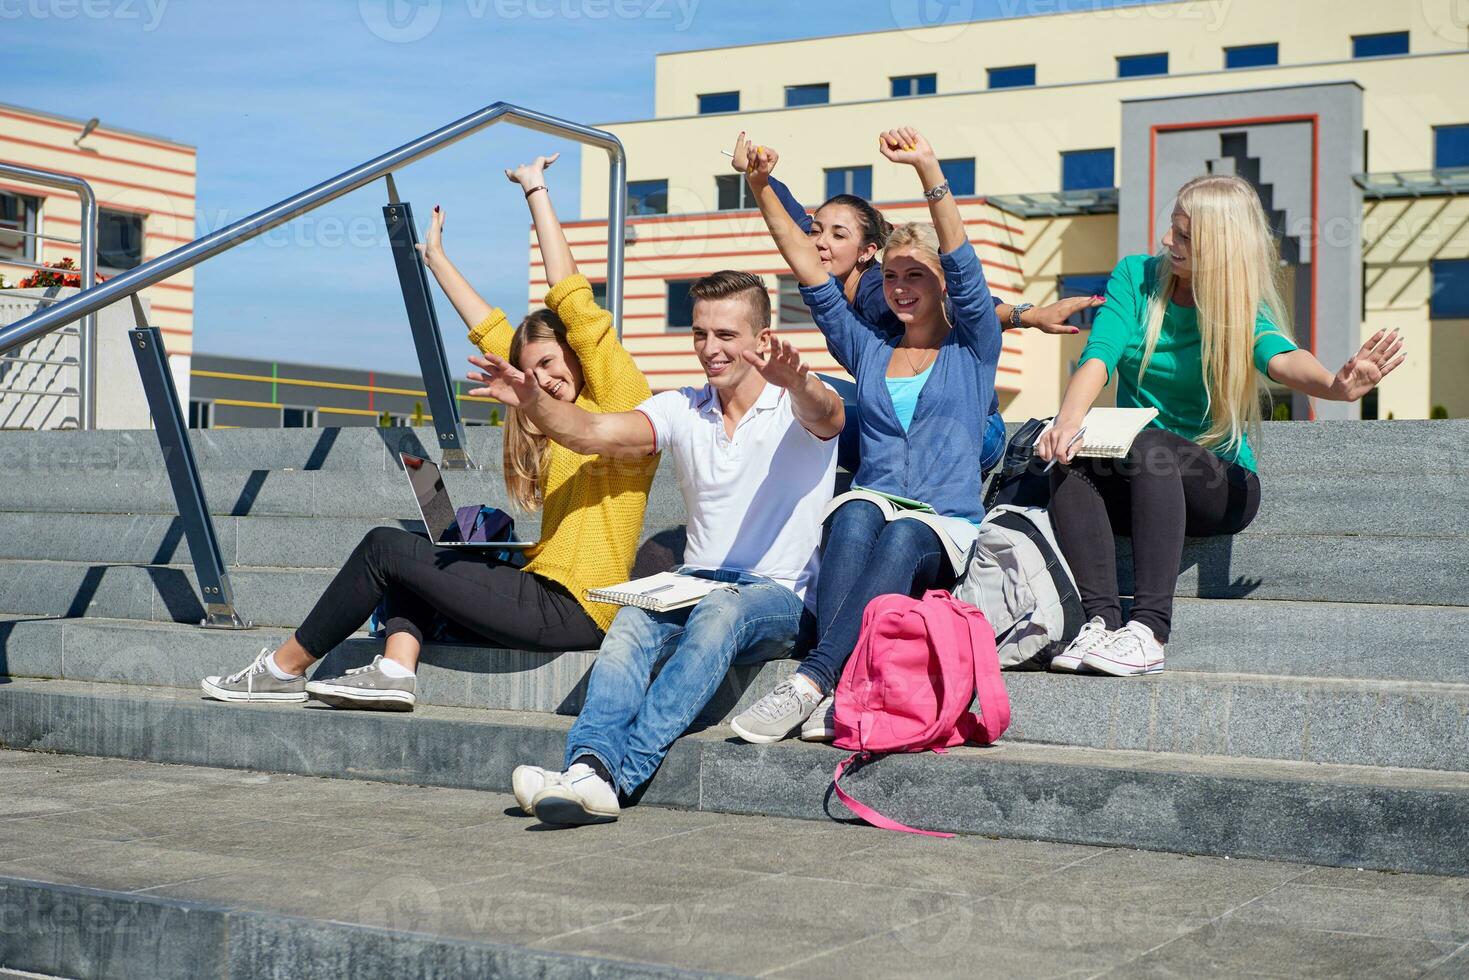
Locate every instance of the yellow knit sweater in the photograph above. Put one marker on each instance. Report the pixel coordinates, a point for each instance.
(593, 510)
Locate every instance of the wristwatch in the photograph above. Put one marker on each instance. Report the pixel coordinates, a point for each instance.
(1015, 312)
(937, 193)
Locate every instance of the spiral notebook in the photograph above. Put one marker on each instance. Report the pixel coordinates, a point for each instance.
(1110, 431)
(658, 593)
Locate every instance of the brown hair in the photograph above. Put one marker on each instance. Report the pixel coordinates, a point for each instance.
(526, 447)
(874, 227)
(727, 284)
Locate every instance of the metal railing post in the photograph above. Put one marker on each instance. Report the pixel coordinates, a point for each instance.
(87, 351)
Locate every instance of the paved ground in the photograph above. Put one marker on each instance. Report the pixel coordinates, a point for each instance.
(743, 895)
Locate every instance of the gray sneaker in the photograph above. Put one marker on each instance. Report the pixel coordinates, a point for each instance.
(255, 683)
(821, 724)
(777, 714)
(366, 687)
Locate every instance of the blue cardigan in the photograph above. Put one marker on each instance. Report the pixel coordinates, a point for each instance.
(872, 308)
(938, 459)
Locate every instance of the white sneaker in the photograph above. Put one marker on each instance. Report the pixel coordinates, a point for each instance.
(1132, 650)
(820, 725)
(1093, 636)
(579, 797)
(527, 781)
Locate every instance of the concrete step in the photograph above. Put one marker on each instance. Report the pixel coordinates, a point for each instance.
(1391, 504)
(138, 869)
(1348, 816)
(1321, 449)
(1421, 724)
(1211, 636)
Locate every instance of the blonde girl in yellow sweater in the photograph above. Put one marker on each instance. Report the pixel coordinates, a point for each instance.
(592, 506)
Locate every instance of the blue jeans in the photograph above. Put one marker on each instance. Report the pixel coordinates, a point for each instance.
(865, 557)
(629, 719)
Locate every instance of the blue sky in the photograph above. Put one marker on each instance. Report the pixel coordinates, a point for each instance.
(278, 96)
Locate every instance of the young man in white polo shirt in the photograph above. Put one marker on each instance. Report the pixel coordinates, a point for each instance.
(756, 455)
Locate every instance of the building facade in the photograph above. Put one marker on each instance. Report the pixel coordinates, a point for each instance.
(145, 187)
(1032, 116)
(236, 392)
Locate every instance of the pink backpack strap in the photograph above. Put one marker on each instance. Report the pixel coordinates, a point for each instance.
(989, 686)
(866, 812)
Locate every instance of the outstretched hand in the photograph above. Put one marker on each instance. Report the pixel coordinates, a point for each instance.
(529, 175)
(905, 145)
(782, 367)
(1052, 318)
(502, 382)
(1378, 358)
(432, 247)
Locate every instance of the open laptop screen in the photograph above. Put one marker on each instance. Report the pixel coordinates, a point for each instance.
(433, 499)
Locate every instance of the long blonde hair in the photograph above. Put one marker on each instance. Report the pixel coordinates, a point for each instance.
(526, 447)
(1236, 278)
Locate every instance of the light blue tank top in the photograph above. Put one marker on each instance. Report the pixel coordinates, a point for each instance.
(904, 393)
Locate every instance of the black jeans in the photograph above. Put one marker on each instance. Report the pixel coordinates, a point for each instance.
(1165, 488)
(507, 606)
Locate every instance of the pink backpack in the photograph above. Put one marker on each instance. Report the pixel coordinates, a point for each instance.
(908, 685)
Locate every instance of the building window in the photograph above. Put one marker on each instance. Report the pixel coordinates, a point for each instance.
(1083, 285)
(201, 414)
(849, 180)
(298, 418)
(959, 172)
(1252, 56)
(1379, 45)
(733, 193)
(647, 197)
(17, 226)
(797, 95)
(1016, 76)
(791, 312)
(1136, 65)
(119, 239)
(599, 293)
(906, 85)
(719, 102)
(1088, 170)
(680, 304)
(1450, 297)
(1450, 147)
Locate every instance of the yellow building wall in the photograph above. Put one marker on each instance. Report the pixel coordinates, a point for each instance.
(128, 172)
(1066, 48)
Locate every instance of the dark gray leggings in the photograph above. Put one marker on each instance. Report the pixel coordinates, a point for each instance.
(1166, 488)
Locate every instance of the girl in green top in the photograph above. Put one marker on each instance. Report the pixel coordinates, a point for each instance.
(1188, 332)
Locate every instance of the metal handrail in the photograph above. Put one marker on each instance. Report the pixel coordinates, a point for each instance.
(187, 256)
(87, 368)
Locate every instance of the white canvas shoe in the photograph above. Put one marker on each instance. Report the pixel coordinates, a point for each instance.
(578, 797)
(1093, 636)
(1132, 650)
(527, 782)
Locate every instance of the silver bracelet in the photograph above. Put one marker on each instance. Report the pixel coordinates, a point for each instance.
(938, 193)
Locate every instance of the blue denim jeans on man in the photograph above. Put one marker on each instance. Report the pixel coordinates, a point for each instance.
(629, 719)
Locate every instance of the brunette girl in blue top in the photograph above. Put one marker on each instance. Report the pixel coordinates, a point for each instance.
(848, 232)
(924, 397)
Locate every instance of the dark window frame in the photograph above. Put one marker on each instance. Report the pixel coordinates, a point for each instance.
(954, 173)
(1458, 300)
(1384, 39)
(1245, 51)
(992, 74)
(722, 183)
(1123, 60)
(1070, 155)
(107, 220)
(858, 174)
(1438, 148)
(703, 111)
(684, 301)
(916, 83)
(811, 87)
(25, 218)
(641, 207)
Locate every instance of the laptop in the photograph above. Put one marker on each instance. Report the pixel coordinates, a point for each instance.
(437, 510)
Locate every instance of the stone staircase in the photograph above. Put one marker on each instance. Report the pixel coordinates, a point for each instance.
(1315, 706)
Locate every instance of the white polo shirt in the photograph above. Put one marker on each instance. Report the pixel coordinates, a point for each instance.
(755, 501)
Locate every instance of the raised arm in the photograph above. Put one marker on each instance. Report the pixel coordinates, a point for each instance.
(555, 251)
(907, 145)
(623, 435)
(819, 409)
(471, 307)
(795, 247)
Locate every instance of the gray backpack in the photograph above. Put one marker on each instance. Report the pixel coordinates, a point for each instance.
(1019, 580)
